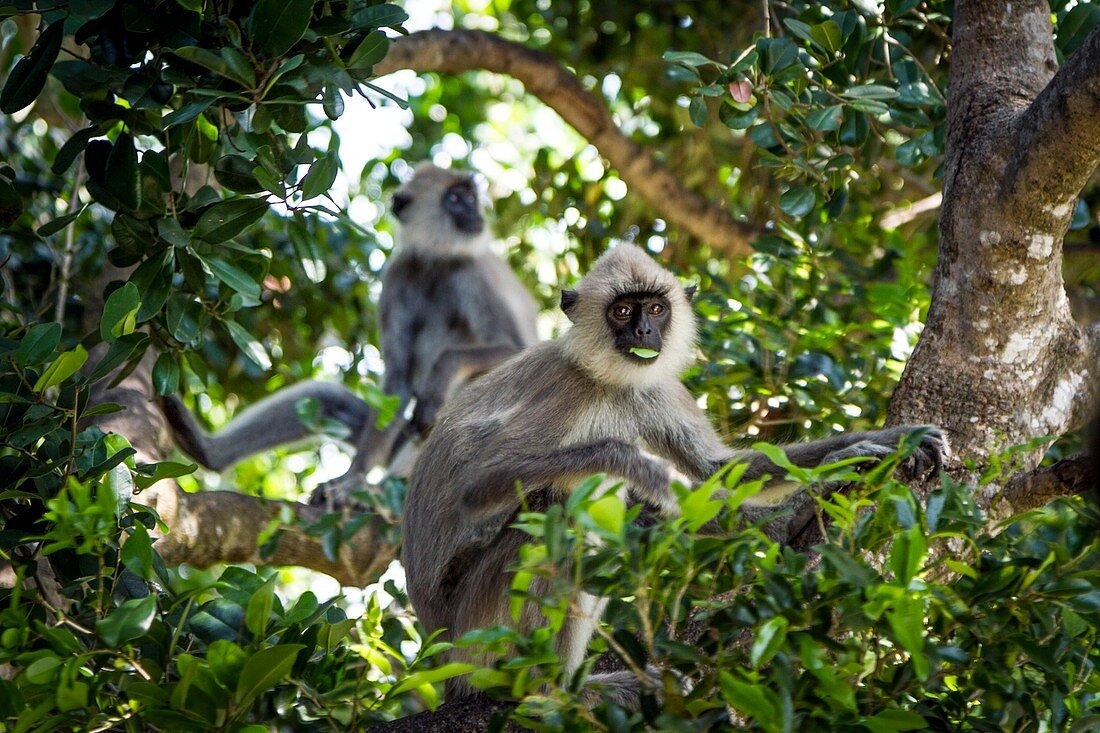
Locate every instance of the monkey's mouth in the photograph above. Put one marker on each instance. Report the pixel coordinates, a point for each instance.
(643, 353)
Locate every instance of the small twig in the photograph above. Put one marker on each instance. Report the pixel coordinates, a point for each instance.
(67, 253)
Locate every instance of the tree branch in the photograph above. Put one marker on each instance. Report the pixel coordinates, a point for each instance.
(223, 526)
(1032, 489)
(1057, 147)
(452, 52)
(904, 214)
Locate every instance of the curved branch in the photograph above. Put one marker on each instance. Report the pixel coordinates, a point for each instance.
(1057, 146)
(222, 526)
(452, 52)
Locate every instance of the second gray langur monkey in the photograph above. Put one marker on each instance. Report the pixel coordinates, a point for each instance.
(450, 308)
(603, 398)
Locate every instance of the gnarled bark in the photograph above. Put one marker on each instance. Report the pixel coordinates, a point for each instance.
(1001, 360)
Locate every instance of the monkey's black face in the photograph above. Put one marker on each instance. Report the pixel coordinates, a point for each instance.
(638, 322)
(460, 203)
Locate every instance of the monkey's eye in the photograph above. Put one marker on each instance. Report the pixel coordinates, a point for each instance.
(621, 312)
(656, 309)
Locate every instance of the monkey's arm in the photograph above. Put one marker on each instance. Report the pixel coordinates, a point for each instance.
(927, 459)
(271, 422)
(493, 487)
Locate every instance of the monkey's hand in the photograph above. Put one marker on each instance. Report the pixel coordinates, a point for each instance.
(426, 411)
(657, 491)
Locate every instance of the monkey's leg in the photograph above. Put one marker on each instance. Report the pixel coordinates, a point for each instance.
(373, 448)
(450, 371)
(271, 422)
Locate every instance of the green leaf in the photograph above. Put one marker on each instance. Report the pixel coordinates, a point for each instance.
(752, 700)
(258, 612)
(907, 554)
(73, 147)
(226, 661)
(39, 343)
(129, 621)
(827, 36)
(186, 114)
(697, 111)
(906, 620)
(123, 181)
(227, 219)
(736, 119)
(234, 277)
(278, 24)
(126, 348)
(826, 119)
(687, 58)
(768, 640)
(42, 671)
(432, 676)
(56, 225)
(166, 374)
(137, 552)
(63, 367)
(264, 670)
(147, 475)
(798, 201)
(370, 51)
(888, 721)
(386, 15)
(120, 312)
(320, 176)
(183, 315)
(26, 80)
(871, 91)
(1076, 27)
(235, 173)
(608, 512)
(249, 346)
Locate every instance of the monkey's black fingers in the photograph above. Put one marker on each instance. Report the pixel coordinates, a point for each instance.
(337, 493)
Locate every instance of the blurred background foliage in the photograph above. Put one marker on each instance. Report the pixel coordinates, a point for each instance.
(246, 174)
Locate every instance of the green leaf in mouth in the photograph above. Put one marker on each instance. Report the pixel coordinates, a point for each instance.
(644, 353)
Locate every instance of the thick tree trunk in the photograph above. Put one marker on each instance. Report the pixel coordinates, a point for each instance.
(1001, 360)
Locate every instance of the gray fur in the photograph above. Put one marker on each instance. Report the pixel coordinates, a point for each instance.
(557, 412)
(450, 309)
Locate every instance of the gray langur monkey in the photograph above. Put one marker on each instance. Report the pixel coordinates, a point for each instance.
(450, 309)
(605, 397)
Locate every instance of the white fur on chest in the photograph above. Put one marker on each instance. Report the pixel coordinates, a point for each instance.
(603, 419)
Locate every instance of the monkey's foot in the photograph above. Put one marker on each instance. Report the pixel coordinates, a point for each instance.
(928, 459)
(339, 493)
(924, 463)
(624, 688)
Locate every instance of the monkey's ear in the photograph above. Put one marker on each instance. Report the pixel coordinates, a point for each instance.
(400, 201)
(689, 291)
(568, 302)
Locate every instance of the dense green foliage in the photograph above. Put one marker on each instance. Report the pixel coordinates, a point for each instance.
(178, 166)
(917, 615)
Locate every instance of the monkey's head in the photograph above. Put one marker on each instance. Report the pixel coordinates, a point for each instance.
(439, 210)
(632, 321)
